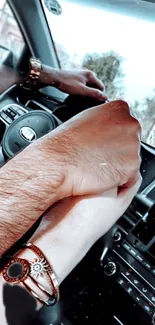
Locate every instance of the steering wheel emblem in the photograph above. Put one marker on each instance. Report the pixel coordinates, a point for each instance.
(28, 134)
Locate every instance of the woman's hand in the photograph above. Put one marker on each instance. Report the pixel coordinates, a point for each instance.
(73, 225)
(69, 230)
(74, 82)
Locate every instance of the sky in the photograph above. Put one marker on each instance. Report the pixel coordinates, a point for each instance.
(82, 30)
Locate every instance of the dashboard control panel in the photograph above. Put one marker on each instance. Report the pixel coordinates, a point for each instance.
(121, 288)
(10, 113)
(130, 262)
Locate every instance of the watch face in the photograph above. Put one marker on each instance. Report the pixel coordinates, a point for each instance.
(53, 6)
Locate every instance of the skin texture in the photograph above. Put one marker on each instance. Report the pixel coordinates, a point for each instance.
(66, 222)
(70, 219)
(81, 82)
(91, 153)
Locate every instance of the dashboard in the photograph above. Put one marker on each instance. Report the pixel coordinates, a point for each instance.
(115, 283)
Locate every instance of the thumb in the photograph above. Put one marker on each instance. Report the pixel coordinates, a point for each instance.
(93, 92)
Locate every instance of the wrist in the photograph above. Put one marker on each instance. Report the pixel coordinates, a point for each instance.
(49, 76)
(59, 252)
(58, 238)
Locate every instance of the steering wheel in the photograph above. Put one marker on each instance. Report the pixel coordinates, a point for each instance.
(19, 124)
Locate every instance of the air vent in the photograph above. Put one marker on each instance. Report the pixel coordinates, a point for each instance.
(133, 214)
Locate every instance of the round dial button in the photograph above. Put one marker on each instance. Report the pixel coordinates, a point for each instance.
(110, 269)
(117, 236)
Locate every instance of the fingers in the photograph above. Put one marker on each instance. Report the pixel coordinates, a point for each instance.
(94, 93)
(95, 81)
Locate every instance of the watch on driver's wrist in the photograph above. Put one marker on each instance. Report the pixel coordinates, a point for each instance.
(32, 81)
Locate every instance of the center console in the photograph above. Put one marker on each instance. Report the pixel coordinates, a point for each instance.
(130, 267)
(117, 282)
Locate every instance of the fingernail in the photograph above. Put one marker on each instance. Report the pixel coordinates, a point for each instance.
(104, 96)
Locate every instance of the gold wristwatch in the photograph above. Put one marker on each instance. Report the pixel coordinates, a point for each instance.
(32, 81)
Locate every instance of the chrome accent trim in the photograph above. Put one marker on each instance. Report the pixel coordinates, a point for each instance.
(149, 188)
(123, 230)
(104, 254)
(146, 146)
(119, 322)
(145, 200)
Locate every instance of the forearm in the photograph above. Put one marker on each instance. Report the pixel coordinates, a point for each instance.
(59, 248)
(29, 184)
(58, 239)
(49, 76)
(10, 77)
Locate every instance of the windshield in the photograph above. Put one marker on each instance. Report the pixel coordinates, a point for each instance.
(117, 46)
(11, 40)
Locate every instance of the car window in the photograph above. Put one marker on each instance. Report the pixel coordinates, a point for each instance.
(117, 46)
(11, 40)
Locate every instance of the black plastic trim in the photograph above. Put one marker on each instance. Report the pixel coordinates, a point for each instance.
(33, 24)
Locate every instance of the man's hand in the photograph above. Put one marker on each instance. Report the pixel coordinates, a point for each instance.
(74, 82)
(95, 151)
(101, 147)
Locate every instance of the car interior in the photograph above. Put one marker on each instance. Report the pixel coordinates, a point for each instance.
(115, 282)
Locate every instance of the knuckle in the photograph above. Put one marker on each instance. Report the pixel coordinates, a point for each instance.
(96, 93)
(132, 164)
(93, 74)
(89, 74)
(122, 104)
(136, 123)
(140, 179)
(136, 162)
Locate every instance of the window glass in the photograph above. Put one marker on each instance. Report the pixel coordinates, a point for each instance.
(117, 46)
(11, 40)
